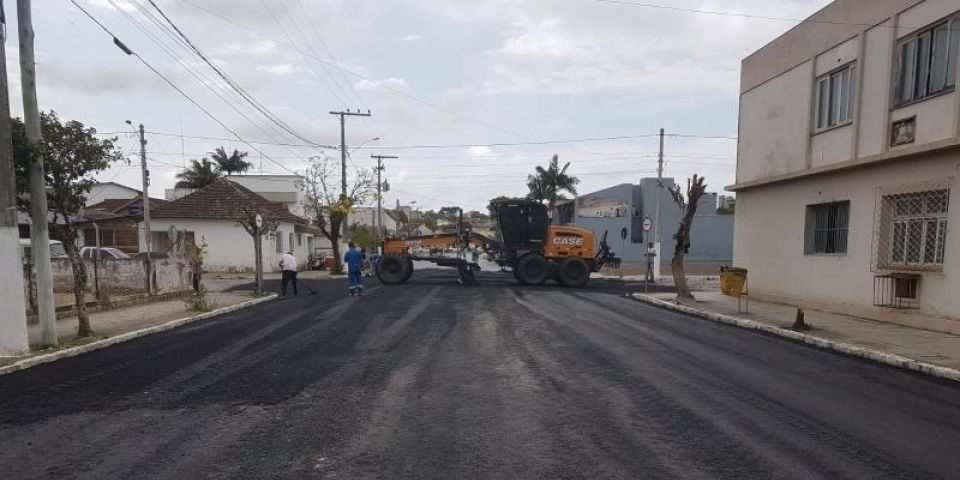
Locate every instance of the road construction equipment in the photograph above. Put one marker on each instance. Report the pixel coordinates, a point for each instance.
(526, 243)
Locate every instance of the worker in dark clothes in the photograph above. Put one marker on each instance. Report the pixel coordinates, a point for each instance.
(354, 261)
(288, 263)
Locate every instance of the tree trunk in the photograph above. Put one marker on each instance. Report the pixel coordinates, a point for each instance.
(334, 241)
(79, 284)
(680, 278)
(258, 261)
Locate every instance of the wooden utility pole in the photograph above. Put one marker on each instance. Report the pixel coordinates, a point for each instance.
(343, 159)
(380, 167)
(39, 229)
(13, 323)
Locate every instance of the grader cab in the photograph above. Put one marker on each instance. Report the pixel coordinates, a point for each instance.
(527, 244)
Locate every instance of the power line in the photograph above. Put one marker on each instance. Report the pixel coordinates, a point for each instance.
(230, 81)
(357, 75)
(208, 82)
(126, 50)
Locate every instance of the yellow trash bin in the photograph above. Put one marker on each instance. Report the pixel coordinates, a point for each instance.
(733, 280)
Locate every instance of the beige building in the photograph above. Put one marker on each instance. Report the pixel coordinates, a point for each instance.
(848, 154)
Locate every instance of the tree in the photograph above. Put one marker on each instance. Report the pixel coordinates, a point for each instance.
(363, 236)
(248, 219)
(330, 207)
(72, 155)
(199, 174)
(688, 206)
(230, 163)
(548, 183)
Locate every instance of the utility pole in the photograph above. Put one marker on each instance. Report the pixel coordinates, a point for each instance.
(656, 221)
(39, 228)
(343, 158)
(13, 324)
(147, 233)
(380, 167)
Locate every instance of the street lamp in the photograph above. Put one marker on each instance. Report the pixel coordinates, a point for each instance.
(374, 139)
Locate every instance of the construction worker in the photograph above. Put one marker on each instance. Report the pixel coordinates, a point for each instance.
(288, 264)
(354, 261)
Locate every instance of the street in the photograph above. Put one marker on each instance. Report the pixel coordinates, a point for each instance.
(433, 380)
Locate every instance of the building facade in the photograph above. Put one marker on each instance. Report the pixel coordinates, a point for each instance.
(626, 206)
(848, 153)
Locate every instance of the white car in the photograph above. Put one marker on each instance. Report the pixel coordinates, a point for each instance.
(56, 249)
(106, 253)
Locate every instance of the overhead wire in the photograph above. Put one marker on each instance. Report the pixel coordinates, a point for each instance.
(206, 112)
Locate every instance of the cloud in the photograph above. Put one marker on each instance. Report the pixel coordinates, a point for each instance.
(258, 47)
(280, 69)
(410, 38)
(379, 85)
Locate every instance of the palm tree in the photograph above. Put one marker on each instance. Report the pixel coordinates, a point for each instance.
(199, 174)
(232, 163)
(548, 183)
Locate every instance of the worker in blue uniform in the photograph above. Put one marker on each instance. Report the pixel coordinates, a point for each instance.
(354, 261)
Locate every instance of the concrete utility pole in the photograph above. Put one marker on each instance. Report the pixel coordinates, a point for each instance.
(13, 323)
(147, 233)
(343, 158)
(39, 228)
(380, 167)
(656, 221)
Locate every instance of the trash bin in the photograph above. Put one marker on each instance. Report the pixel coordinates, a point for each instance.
(733, 280)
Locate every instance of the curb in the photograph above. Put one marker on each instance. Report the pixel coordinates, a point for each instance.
(126, 337)
(893, 360)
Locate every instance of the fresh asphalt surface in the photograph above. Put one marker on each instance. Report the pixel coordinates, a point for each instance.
(433, 380)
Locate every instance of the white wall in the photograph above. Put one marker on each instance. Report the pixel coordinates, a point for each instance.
(107, 191)
(275, 188)
(769, 241)
(774, 125)
(229, 247)
(13, 320)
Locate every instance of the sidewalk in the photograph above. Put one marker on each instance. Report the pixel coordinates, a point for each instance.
(939, 349)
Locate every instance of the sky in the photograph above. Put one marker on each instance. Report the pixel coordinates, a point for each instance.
(492, 87)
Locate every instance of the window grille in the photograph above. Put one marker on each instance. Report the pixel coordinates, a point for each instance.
(912, 230)
(828, 227)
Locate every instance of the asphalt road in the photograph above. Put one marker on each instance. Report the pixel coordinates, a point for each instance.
(434, 380)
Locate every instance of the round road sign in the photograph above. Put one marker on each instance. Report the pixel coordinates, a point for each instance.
(647, 224)
(258, 221)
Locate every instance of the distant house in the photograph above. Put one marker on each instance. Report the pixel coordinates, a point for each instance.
(212, 216)
(118, 222)
(367, 216)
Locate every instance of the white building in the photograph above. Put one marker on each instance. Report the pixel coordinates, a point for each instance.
(367, 216)
(848, 154)
(212, 216)
(110, 191)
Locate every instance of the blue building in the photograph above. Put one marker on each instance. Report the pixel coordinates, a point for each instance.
(627, 205)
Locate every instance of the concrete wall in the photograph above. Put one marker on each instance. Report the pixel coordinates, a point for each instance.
(230, 247)
(275, 188)
(769, 241)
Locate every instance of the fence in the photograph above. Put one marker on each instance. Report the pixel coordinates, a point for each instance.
(109, 281)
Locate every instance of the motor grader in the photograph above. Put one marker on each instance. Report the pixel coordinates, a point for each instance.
(526, 243)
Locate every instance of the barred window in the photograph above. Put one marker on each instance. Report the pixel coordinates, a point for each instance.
(914, 229)
(828, 226)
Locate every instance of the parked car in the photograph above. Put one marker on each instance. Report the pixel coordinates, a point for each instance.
(105, 253)
(56, 249)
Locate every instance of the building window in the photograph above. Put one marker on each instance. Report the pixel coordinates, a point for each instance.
(299, 239)
(828, 227)
(836, 96)
(928, 62)
(279, 241)
(290, 242)
(914, 230)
